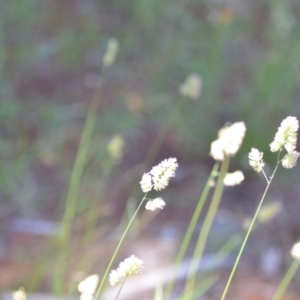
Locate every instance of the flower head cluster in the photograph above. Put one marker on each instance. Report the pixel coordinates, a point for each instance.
(286, 135)
(192, 87)
(111, 52)
(155, 204)
(290, 159)
(234, 178)
(256, 160)
(130, 266)
(115, 147)
(159, 176)
(295, 251)
(19, 294)
(87, 287)
(229, 141)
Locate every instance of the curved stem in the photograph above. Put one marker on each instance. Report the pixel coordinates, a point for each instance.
(117, 249)
(121, 288)
(73, 190)
(286, 280)
(191, 227)
(209, 218)
(247, 235)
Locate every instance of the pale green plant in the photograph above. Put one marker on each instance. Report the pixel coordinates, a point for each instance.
(74, 184)
(295, 252)
(228, 143)
(285, 138)
(188, 235)
(158, 178)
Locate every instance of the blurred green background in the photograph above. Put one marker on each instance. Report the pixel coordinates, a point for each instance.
(246, 52)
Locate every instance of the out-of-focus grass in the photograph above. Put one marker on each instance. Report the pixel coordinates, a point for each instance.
(50, 55)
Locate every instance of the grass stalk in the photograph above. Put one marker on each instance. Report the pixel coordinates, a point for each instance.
(209, 218)
(117, 249)
(286, 280)
(191, 228)
(72, 193)
(248, 233)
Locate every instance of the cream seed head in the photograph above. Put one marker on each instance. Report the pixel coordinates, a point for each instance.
(146, 183)
(159, 176)
(290, 160)
(115, 147)
(114, 278)
(87, 287)
(216, 150)
(192, 87)
(256, 160)
(233, 137)
(286, 135)
(295, 251)
(155, 204)
(234, 178)
(111, 52)
(130, 266)
(163, 172)
(229, 141)
(19, 294)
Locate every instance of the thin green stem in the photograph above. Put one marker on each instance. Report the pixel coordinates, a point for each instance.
(121, 288)
(73, 190)
(286, 280)
(191, 227)
(117, 249)
(209, 218)
(265, 175)
(247, 235)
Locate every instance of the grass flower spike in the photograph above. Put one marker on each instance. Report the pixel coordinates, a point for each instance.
(159, 176)
(87, 287)
(146, 183)
(286, 135)
(229, 141)
(19, 294)
(234, 178)
(295, 251)
(255, 160)
(130, 266)
(290, 160)
(162, 173)
(192, 87)
(111, 52)
(155, 204)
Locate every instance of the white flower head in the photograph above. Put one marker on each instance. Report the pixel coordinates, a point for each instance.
(234, 178)
(114, 278)
(155, 204)
(256, 160)
(163, 172)
(216, 150)
(290, 160)
(295, 251)
(88, 285)
(115, 147)
(229, 141)
(86, 297)
(19, 294)
(146, 183)
(286, 135)
(111, 52)
(130, 266)
(191, 87)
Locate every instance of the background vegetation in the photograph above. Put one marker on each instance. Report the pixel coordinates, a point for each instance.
(246, 52)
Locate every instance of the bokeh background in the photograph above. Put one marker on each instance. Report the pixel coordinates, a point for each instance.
(247, 54)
